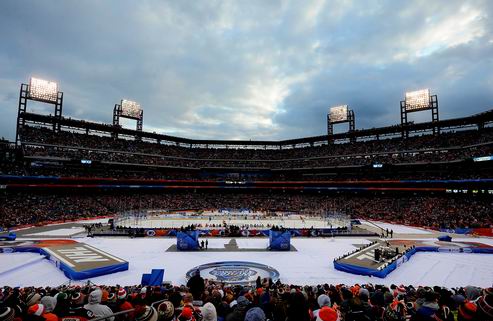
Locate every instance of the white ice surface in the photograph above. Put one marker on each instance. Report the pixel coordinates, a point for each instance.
(312, 264)
(60, 232)
(399, 229)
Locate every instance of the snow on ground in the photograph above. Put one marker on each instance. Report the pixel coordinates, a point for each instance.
(18, 260)
(311, 264)
(248, 243)
(399, 229)
(60, 232)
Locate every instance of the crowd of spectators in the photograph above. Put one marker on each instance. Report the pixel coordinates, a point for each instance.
(42, 142)
(446, 211)
(204, 300)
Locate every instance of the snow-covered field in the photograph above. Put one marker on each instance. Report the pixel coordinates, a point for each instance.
(311, 264)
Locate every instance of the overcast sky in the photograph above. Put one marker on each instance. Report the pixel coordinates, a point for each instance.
(247, 69)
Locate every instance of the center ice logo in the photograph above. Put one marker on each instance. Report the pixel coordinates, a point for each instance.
(233, 274)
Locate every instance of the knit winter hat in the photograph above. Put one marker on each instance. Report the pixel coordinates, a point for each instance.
(61, 296)
(242, 301)
(33, 298)
(472, 292)
(49, 303)
(6, 314)
(75, 296)
(166, 310)
(485, 303)
(186, 314)
(323, 301)
(327, 314)
(150, 314)
(36, 309)
(122, 294)
(255, 314)
(467, 310)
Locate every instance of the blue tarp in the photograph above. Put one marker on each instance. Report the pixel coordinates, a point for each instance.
(279, 241)
(155, 278)
(10, 236)
(187, 241)
(445, 238)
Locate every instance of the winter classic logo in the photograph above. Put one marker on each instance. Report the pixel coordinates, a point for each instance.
(234, 272)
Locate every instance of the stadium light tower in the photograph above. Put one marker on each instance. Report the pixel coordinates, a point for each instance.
(43, 91)
(419, 100)
(130, 110)
(338, 115)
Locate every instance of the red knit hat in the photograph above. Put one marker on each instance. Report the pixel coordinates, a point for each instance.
(327, 314)
(122, 294)
(468, 310)
(186, 313)
(36, 309)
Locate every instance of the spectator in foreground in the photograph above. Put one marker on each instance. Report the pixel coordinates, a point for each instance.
(94, 305)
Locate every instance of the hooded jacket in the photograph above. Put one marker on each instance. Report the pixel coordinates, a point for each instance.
(239, 310)
(209, 312)
(96, 307)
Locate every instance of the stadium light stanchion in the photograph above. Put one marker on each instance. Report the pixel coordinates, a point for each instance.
(42, 91)
(130, 110)
(419, 100)
(338, 115)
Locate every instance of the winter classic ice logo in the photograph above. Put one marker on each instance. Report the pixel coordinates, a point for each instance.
(234, 272)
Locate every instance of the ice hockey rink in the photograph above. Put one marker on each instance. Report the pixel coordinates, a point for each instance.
(312, 263)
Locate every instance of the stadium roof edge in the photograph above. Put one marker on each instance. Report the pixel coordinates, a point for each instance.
(480, 118)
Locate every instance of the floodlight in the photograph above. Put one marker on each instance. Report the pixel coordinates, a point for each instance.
(419, 99)
(338, 113)
(43, 90)
(130, 109)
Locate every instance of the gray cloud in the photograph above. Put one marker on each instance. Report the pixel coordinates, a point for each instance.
(248, 69)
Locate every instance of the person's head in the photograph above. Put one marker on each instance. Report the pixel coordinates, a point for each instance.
(255, 314)
(209, 312)
(323, 301)
(467, 311)
(49, 303)
(297, 306)
(95, 296)
(187, 299)
(186, 314)
(36, 310)
(485, 306)
(364, 294)
(166, 311)
(33, 298)
(327, 314)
